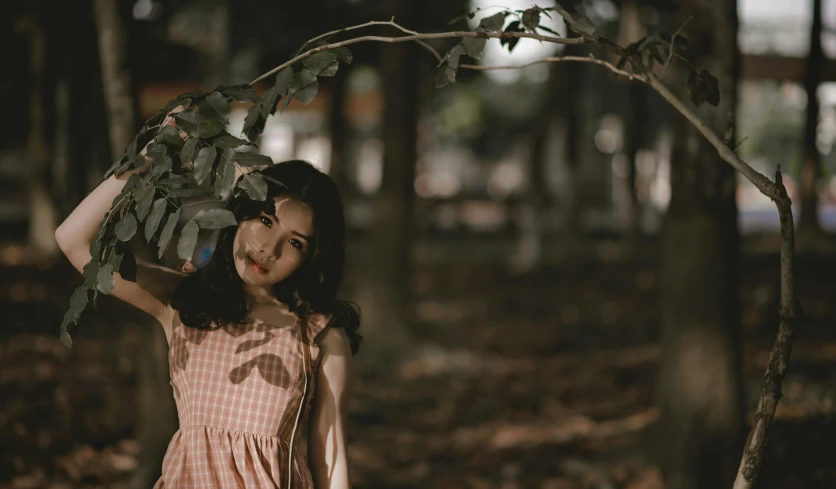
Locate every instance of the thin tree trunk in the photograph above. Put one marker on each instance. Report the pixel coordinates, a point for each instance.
(537, 199)
(631, 30)
(700, 392)
(808, 220)
(387, 285)
(157, 412)
(338, 129)
(115, 77)
(42, 213)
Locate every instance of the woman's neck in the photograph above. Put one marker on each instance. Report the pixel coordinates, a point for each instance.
(259, 296)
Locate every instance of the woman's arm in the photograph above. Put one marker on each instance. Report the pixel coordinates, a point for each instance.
(326, 439)
(153, 287)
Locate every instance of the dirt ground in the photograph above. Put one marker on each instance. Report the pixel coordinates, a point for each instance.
(543, 381)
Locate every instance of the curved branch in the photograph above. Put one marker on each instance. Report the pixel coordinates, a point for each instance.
(791, 313)
(414, 38)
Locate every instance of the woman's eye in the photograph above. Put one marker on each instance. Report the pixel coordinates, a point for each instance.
(265, 221)
(296, 243)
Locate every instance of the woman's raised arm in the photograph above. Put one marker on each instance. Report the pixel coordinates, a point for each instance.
(152, 288)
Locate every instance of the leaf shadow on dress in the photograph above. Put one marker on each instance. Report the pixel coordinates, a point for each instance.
(269, 366)
(178, 345)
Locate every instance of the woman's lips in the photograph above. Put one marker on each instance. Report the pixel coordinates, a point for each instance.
(256, 266)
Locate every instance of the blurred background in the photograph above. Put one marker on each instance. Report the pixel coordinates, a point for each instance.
(561, 285)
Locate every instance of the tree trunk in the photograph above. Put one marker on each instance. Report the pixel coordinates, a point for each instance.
(808, 221)
(537, 198)
(387, 285)
(631, 30)
(700, 391)
(157, 411)
(338, 130)
(115, 77)
(42, 213)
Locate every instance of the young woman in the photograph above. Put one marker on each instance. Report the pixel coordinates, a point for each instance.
(259, 346)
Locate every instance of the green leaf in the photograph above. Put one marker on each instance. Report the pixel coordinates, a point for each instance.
(156, 151)
(577, 21)
(203, 163)
(440, 78)
(254, 122)
(703, 87)
(66, 340)
(190, 116)
(193, 95)
(95, 248)
(322, 62)
(224, 186)
(188, 240)
(174, 179)
(331, 70)
(511, 41)
(712, 94)
(125, 228)
(187, 153)
(215, 218)
(474, 46)
(215, 106)
(78, 301)
(280, 88)
(170, 136)
(250, 158)
(167, 232)
(187, 192)
(115, 259)
(453, 63)
(495, 22)
(90, 274)
(304, 86)
(143, 205)
(188, 120)
(531, 19)
(127, 267)
(343, 54)
(209, 129)
(104, 279)
(242, 93)
(160, 166)
(116, 164)
(228, 141)
(254, 185)
(153, 221)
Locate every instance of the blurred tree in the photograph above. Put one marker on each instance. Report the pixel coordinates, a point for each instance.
(631, 29)
(115, 76)
(808, 220)
(157, 420)
(387, 282)
(700, 394)
(42, 213)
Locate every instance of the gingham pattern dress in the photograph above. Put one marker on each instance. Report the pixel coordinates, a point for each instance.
(243, 394)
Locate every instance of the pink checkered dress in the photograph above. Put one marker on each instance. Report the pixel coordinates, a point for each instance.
(243, 394)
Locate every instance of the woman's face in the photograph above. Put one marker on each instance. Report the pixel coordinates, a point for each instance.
(268, 249)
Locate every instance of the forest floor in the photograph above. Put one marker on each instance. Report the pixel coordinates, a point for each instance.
(543, 381)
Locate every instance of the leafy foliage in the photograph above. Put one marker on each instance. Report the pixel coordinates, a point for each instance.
(184, 151)
(186, 157)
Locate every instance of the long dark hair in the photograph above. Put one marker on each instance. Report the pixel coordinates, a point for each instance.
(214, 294)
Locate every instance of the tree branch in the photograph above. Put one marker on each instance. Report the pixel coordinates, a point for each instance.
(412, 38)
(791, 313)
